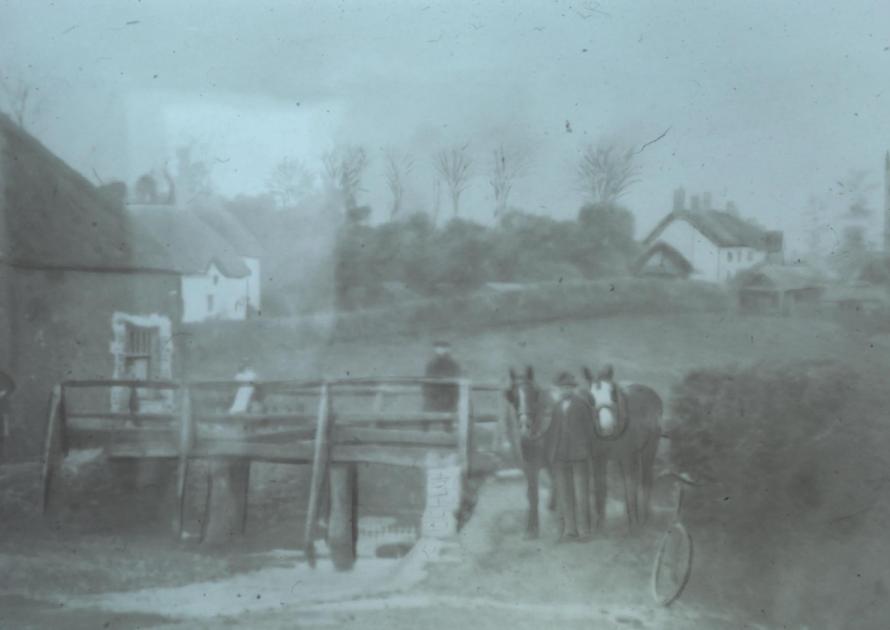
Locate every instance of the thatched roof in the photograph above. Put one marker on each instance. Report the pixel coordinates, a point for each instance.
(54, 217)
(235, 233)
(723, 229)
(179, 240)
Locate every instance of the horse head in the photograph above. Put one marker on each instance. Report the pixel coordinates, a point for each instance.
(529, 401)
(604, 398)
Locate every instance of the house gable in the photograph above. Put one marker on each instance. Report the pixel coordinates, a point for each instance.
(663, 260)
(214, 295)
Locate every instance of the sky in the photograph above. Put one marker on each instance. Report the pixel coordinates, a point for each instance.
(765, 102)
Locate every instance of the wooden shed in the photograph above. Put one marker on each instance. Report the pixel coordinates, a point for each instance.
(779, 289)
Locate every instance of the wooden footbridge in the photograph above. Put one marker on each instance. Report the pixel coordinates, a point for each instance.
(332, 425)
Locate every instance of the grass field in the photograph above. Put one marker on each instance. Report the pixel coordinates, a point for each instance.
(652, 349)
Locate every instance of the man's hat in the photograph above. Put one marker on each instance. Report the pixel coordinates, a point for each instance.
(441, 344)
(565, 379)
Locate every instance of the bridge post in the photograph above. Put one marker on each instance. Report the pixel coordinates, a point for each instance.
(227, 501)
(319, 470)
(343, 523)
(464, 427)
(186, 441)
(444, 487)
(53, 449)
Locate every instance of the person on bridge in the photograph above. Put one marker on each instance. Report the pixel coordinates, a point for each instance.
(570, 453)
(248, 397)
(441, 396)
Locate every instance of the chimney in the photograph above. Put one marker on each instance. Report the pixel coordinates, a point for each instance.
(706, 201)
(694, 204)
(679, 199)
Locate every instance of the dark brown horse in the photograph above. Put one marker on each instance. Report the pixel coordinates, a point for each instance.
(627, 431)
(531, 406)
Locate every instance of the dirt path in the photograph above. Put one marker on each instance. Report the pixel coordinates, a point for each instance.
(489, 578)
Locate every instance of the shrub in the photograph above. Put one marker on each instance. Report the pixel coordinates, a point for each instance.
(751, 429)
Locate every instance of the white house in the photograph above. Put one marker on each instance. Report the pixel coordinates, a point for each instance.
(706, 244)
(216, 282)
(242, 244)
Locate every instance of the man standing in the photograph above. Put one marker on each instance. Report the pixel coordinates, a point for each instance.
(570, 453)
(441, 396)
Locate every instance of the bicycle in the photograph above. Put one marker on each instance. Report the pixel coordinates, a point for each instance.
(673, 560)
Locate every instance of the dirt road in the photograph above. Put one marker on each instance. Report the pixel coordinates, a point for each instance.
(488, 578)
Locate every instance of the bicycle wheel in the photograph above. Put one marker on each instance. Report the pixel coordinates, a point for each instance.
(673, 565)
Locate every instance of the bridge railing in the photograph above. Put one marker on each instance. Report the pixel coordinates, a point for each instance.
(323, 423)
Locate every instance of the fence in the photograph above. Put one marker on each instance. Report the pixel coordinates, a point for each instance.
(332, 425)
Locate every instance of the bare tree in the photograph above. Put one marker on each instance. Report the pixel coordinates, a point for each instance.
(454, 167)
(345, 167)
(506, 167)
(605, 173)
(398, 167)
(17, 96)
(290, 182)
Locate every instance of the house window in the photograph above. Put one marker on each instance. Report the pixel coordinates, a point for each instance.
(210, 303)
(729, 256)
(142, 352)
(142, 349)
(215, 279)
(750, 256)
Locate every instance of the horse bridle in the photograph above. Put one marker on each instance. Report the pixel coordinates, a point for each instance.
(612, 406)
(524, 415)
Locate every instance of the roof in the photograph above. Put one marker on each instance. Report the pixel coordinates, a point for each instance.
(678, 259)
(782, 278)
(230, 228)
(722, 228)
(177, 239)
(54, 217)
(856, 293)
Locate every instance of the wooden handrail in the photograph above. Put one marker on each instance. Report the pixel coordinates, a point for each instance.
(121, 383)
(115, 415)
(348, 386)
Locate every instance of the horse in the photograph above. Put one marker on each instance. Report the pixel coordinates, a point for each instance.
(627, 431)
(532, 405)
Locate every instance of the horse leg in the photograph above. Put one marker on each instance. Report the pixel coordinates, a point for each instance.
(623, 471)
(600, 489)
(631, 476)
(551, 499)
(531, 476)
